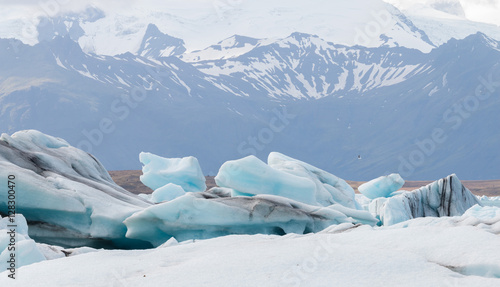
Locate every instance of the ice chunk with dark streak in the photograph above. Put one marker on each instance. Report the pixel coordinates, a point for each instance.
(444, 197)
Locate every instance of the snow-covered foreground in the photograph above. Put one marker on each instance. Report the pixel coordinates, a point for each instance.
(419, 255)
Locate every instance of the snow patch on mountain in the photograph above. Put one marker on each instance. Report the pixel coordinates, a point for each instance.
(231, 47)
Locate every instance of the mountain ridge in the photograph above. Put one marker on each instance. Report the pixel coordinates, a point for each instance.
(375, 111)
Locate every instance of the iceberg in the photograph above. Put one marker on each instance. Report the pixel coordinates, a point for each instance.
(20, 244)
(382, 186)
(444, 197)
(329, 189)
(66, 195)
(167, 192)
(205, 215)
(286, 177)
(159, 171)
(284, 196)
(69, 199)
(251, 176)
(25, 250)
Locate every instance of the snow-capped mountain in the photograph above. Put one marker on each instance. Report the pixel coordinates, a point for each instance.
(305, 66)
(155, 44)
(326, 101)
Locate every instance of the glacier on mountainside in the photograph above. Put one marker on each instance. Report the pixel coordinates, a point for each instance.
(382, 186)
(66, 195)
(444, 197)
(202, 23)
(443, 20)
(159, 171)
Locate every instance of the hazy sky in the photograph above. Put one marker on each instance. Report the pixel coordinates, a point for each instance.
(477, 10)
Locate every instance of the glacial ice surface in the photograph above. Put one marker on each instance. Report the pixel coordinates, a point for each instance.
(382, 186)
(490, 201)
(159, 171)
(444, 197)
(486, 218)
